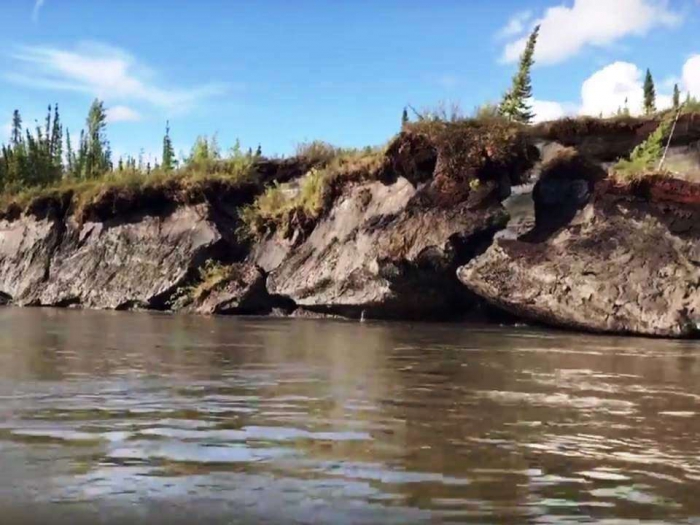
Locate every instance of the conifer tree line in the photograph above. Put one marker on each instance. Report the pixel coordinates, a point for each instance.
(35, 157)
(46, 154)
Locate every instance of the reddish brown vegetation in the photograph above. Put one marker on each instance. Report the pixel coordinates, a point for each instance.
(655, 188)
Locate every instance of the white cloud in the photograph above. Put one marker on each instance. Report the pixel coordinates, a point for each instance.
(617, 84)
(102, 71)
(38, 4)
(565, 31)
(516, 26)
(544, 110)
(122, 114)
(691, 76)
(611, 88)
(5, 132)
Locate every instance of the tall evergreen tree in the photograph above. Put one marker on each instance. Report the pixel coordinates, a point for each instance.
(70, 156)
(168, 151)
(676, 97)
(95, 146)
(649, 94)
(47, 131)
(404, 117)
(57, 139)
(515, 105)
(16, 135)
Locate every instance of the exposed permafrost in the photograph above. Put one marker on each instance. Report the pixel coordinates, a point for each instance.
(601, 258)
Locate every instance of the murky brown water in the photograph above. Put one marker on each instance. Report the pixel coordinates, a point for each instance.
(139, 418)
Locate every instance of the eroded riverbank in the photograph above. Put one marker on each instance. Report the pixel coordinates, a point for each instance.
(417, 230)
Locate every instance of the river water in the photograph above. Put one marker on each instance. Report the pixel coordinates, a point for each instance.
(109, 417)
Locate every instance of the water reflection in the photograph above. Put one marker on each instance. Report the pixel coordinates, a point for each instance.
(108, 416)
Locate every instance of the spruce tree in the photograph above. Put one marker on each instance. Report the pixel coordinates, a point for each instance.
(258, 152)
(404, 117)
(16, 136)
(168, 151)
(70, 155)
(57, 139)
(515, 105)
(47, 131)
(95, 146)
(676, 97)
(649, 94)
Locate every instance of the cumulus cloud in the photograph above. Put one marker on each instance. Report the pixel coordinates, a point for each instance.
(691, 76)
(516, 26)
(611, 88)
(5, 132)
(38, 4)
(565, 31)
(615, 85)
(101, 71)
(122, 114)
(618, 84)
(544, 110)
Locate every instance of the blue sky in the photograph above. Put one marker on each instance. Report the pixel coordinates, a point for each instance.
(281, 72)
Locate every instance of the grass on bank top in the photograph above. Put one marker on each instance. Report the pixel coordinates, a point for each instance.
(181, 183)
(279, 206)
(282, 206)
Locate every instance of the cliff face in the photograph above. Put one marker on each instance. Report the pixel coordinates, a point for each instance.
(389, 248)
(137, 263)
(412, 238)
(626, 263)
(377, 253)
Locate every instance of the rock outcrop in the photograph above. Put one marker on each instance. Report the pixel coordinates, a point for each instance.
(628, 262)
(115, 264)
(389, 248)
(128, 248)
(241, 292)
(26, 249)
(375, 253)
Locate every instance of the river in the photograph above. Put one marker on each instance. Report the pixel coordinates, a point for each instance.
(116, 417)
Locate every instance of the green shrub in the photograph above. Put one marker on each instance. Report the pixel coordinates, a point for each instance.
(211, 276)
(317, 152)
(645, 157)
(691, 105)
